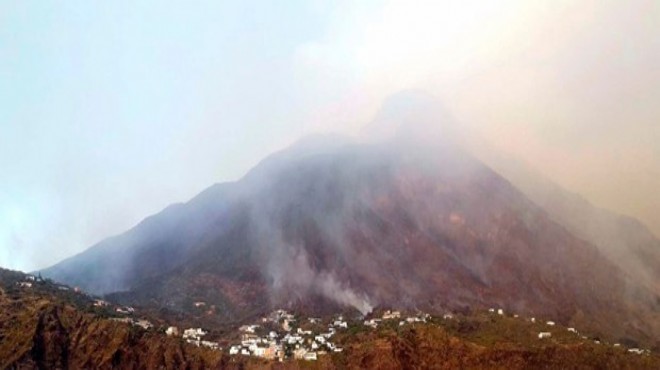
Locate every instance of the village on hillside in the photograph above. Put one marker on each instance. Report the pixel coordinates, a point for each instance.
(282, 335)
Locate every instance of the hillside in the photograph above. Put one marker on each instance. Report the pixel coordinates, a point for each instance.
(478, 340)
(48, 326)
(44, 326)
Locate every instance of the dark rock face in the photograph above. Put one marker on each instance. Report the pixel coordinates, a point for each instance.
(331, 223)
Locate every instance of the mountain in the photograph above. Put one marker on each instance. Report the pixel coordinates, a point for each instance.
(331, 222)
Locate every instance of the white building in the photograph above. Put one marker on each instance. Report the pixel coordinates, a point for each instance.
(144, 324)
(248, 328)
(299, 353)
(388, 315)
(340, 324)
(195, 334)
(543, 335)
(292, 339)
(310, 356)
(304, 332)
(100, 303)
(211, 345)
(328, 335)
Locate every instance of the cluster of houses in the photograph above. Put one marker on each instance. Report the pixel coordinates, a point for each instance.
(284, 342)
(27, 283)
(396, 315)
(127, 310)
(30, 281)
(639, 351)
(126, 313)
(100, 303)
(193, 336)
(144, 324)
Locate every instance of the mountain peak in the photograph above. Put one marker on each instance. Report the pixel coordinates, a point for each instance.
(413, 115)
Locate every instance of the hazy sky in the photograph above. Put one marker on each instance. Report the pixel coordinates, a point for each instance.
(109, 111)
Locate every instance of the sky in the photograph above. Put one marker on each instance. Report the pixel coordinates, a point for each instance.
(110, 111)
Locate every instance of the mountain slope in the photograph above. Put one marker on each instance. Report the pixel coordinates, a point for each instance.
(624, 240)
(331, 223)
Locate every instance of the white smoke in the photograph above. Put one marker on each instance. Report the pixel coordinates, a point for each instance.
(329, 287)
(292, 276)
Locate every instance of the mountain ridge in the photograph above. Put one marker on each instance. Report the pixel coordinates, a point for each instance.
(623, 239)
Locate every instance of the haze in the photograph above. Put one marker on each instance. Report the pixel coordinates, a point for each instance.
(110, 112)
